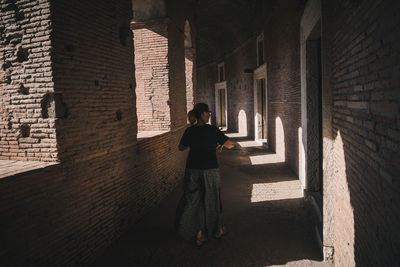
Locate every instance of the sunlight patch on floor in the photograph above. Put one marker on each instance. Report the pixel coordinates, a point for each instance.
(265, 159)
(276, 191)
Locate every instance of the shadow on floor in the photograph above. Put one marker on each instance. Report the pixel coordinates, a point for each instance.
(262, 233)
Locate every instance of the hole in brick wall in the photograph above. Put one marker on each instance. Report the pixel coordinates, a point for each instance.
(23, 90)
(9, 124)
(69, 48)
(13, 38)
(8, 40)
(61, 107)
(10, 7)
(2, 30)
(123, 34)
(19, 15)
(118, 115)
(96, 82)
(22, 54)
(45, 104)
(8, 78)
(25, 130)
(6, 65)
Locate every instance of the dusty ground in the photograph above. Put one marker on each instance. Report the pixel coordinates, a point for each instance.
(268, 222)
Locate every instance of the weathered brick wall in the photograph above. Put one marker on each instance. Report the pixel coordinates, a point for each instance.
(177, 83)
(27, 104)
(365, 79)
(67, 214)
(240, 85)
(93, 61)
(190, 57)
(281, 40)
(205, 93)
(282, 51)
(152, 74)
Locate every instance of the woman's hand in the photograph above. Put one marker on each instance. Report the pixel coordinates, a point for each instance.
(228, 144)
(219, 148)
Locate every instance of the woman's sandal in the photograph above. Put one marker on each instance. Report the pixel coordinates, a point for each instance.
(221, 232)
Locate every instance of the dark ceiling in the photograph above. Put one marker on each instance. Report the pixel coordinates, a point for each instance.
(223, 25)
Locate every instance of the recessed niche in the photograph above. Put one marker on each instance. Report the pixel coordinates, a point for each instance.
(47, 105)
(6, 65)
(8, 78)
(22, 54)
(118, 115)
(25, 130)
(19, 15)
(23, 90)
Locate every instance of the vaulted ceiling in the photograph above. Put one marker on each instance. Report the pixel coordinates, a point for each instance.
(223, 25)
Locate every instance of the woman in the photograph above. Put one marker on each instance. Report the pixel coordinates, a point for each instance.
(199, 211)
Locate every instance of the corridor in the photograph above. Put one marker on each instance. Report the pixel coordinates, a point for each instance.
(269, 224)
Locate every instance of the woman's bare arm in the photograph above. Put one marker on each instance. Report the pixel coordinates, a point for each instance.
(228, 144)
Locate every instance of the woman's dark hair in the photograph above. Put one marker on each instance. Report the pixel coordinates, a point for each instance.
(199, 108)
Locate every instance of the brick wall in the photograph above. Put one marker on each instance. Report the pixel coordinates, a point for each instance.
(152, 74)
(281, 40)
(365, 82)
(93, 60)
(67, 214)
(27, 104)
(205, 93)
(282, 51)
(240, 86)
(190, 56)
(177, 82)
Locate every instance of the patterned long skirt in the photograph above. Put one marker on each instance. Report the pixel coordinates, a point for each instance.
(200, 206)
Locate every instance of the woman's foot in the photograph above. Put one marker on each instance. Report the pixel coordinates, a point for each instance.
(222, 231)
(200, 239)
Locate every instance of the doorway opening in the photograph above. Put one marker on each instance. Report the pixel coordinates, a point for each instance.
(261, 105)
(220, 103)
(261, 110)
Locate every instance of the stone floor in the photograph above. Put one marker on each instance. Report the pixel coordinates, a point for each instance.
(268, 222)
